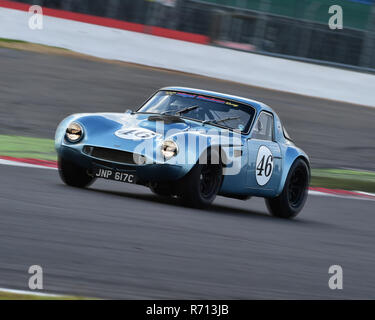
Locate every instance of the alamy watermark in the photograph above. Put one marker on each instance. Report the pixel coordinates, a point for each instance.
(36, 280)
(336, 21)
(205, 146)
(336, 281)
(36, 18)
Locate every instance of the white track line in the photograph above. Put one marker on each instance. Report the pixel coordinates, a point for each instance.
(323, 194)
(23, 164)
(30, 293)
(311, 192)
(366, 193)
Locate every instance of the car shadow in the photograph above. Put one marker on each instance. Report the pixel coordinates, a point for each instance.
(241, 212)
(213, 209)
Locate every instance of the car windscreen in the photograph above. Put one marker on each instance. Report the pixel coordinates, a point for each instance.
(218, 111)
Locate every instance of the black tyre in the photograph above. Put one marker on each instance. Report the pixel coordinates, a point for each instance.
(74, 175)
(201, 184)
(293, 197)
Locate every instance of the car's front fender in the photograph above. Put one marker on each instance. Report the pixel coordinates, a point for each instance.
(61, 129)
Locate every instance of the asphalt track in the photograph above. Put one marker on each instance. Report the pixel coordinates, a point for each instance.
(120, 241)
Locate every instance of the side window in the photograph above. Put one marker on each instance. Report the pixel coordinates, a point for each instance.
(286, 134)
(263, 129)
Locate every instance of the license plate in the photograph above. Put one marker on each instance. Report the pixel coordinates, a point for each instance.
(115, 175)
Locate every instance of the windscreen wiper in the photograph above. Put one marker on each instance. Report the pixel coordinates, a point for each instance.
(220, 120)
(179, 112)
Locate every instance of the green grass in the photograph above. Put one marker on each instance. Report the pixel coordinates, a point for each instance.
(11, 40)
(25, 147)
(343, 179)
(5, 40)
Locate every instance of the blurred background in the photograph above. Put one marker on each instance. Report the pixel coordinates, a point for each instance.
(121, 241)
(287, 28)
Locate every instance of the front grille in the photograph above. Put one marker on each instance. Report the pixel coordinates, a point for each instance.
(110, 154)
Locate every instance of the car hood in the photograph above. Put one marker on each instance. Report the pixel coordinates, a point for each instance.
(162, 126)
(142, 135)
(139, 132)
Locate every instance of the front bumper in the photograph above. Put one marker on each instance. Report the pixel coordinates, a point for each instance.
(153, 172)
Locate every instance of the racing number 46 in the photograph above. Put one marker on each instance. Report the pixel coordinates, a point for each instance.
(265, 165)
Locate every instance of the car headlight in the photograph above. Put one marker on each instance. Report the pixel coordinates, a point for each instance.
(74, 132)
(169, 149)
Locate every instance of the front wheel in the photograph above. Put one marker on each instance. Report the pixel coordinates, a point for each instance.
(201, 184)
(293, 197)
(74, 175)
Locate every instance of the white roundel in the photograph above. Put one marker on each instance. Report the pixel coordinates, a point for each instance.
(264, 165)
(135, 134)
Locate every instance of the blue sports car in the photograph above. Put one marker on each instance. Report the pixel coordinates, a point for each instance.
(191, 144)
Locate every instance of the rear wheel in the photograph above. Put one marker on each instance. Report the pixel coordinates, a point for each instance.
(74, 175)
(293, 197)
(201, 184)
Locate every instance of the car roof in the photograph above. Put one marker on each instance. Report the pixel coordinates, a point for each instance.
(259, 106)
